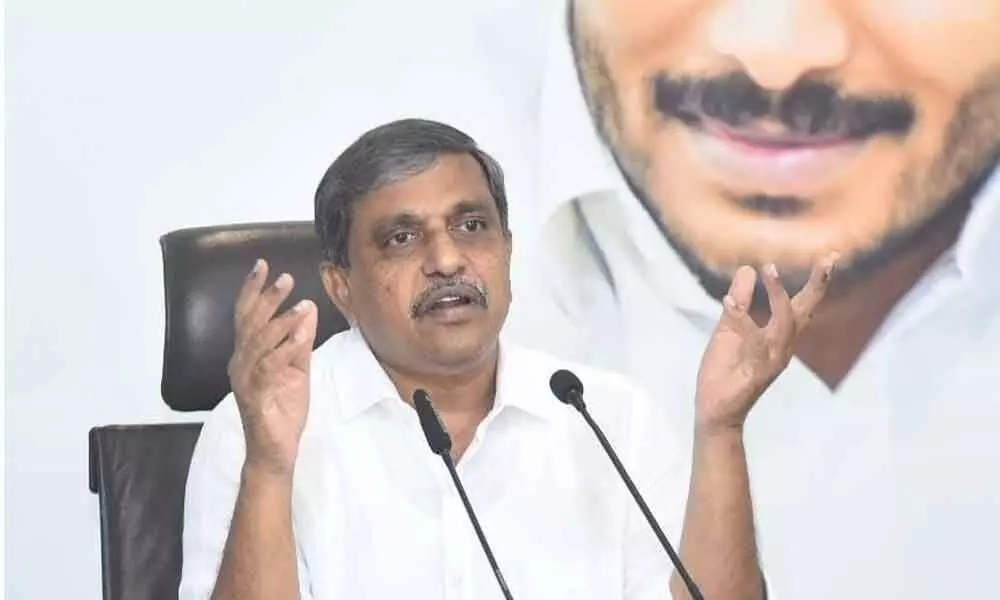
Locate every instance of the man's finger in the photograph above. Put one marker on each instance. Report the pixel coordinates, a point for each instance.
(304, 337)
(289, 352)
(781, 323)
(735, 317)
(809, 297)
(250, 289)
(737, 301)
(263, 309)
(267, 338)
(741, 289)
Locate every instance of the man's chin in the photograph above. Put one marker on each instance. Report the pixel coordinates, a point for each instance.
(458, 350)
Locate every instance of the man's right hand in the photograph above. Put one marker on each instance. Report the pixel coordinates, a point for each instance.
(269, 370)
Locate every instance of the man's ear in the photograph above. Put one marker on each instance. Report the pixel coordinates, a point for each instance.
(337, 288)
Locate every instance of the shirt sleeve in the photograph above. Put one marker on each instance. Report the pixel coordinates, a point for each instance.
(661, 472)
(210, 498)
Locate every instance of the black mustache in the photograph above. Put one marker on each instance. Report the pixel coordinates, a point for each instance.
(809, 108)
(440, 288)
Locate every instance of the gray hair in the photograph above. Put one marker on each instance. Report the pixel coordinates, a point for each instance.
(389, 154)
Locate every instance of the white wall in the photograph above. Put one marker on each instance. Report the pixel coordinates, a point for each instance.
(129, 119)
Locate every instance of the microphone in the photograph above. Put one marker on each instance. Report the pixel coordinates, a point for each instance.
(568, 388)
(440, 443)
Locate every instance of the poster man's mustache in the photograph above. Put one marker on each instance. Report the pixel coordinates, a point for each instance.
(809, 108)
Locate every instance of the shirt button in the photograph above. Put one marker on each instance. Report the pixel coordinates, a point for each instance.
(456, 587)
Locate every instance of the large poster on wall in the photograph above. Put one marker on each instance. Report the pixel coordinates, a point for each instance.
(677, 140)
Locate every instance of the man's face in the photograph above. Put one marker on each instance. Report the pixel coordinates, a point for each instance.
(780, 130)
(429, 279)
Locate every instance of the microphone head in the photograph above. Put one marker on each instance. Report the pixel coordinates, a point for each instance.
(437, 436)
(567, 387)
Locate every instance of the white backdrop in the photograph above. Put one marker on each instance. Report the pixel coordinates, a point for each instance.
(126, 120)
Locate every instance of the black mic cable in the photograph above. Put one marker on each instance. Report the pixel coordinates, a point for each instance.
(440, 443)
(569, 390)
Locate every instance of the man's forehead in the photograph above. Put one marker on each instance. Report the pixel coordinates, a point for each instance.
(429, 208)
(453, 184)
(379, 210)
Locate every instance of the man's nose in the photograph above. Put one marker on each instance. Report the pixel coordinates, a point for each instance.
(778, 42)
(442, 256)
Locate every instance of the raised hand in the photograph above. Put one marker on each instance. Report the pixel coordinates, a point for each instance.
(742, 359)
(269, 370)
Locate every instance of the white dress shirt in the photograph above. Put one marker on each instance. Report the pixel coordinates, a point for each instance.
(886, 487)
(376, 514)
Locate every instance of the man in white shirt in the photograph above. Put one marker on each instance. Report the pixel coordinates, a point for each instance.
(773, 131)
(312, 479)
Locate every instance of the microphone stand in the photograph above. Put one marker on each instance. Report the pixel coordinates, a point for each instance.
(674, 558)
(440, 443)
(568, 388)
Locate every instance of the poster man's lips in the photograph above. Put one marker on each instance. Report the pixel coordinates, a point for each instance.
(773, 162)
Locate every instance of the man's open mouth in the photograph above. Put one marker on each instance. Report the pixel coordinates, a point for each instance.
(450, 297)
(450, 301)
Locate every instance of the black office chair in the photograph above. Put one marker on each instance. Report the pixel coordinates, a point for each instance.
(139, 471)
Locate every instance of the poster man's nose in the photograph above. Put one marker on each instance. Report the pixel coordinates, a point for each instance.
(778, 42)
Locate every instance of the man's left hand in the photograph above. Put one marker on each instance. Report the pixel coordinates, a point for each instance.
(743, 359)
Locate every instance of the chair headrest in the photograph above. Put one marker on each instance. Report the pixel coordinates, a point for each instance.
(203, 269)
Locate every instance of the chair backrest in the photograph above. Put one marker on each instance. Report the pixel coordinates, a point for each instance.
(138, 473)
(203, 269)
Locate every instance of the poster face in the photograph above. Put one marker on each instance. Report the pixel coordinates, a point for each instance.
(761, 132)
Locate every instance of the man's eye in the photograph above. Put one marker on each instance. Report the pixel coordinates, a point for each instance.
(472, 225)
(400, 238)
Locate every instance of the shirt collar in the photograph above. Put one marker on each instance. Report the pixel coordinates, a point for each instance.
(362, 382)
(979, 243)
(359, 377)
(523, 383)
